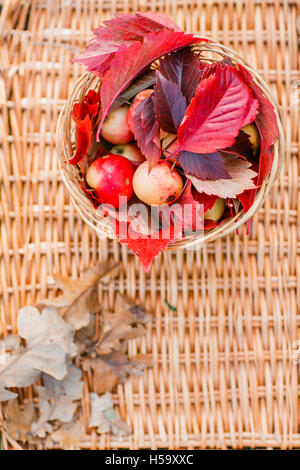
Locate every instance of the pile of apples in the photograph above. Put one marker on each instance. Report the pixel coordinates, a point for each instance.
(124, 170)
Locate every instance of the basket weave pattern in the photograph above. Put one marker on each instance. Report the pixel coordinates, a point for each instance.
(225, 371)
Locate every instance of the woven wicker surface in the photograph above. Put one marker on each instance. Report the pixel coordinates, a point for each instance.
(225, 362)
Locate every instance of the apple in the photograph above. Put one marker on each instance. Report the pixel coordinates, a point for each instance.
(141, 96)
(159, 186)
(130, 151)
(216, 212)
(252, 132)
(170, 146)
(115, 128)
(111, 177)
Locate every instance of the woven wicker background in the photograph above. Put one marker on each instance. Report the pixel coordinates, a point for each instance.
(225, 370)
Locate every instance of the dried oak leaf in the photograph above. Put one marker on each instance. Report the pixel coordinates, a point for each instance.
(18, 420)
(104, 417)
(57, 400)
(127, 322)
(110, 369)
(49, 344)
(69, 435)
(80, 296)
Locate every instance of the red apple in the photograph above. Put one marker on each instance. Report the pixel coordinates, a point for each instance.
(159, 186)
(142, 95)
(111, 177)
(130, 151)
(115, 128)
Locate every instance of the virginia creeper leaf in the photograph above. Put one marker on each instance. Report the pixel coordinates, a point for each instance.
(122, 29)
(169, 104)
(84, 131)
(148, 247)
(183, 68)
(130, 61)
(242, 147)
(210, 166)
(145, 128)
(268, 131)
(223, 104)
(241, 179)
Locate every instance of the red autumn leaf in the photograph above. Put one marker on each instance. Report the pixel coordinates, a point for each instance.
(210, 166)
(222, 105)
(192, 207)
(266, 123)
(184, 69)
(148, 247)
(84, 131)
(130, 61)
(145, 128)
(92, 99)
(242, 147)
(241, 179)
(169, 104)
(122, 29)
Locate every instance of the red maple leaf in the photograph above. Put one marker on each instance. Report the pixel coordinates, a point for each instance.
(222, 105)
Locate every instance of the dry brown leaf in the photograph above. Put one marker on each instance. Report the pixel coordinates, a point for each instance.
(80, 296)
(112, 368)
(104, 418)
(49, 344)
(69, 435)
(127, 322)
(57, 400)
(18, 420)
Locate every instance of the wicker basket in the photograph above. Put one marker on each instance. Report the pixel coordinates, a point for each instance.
(66, 143)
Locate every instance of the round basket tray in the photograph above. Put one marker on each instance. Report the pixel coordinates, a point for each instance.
(66, 144)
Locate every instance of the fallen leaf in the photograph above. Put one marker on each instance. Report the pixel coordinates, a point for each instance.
(110, 369)
(241, 179)
(69, 435)
(57, 400)
(127, 322)
(41, 427)
(222, 105)
(49, 344)
(18, 420)
(104, 418)
(80, 296)
(7, 394)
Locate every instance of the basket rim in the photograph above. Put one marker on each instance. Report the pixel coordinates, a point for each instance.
(83, 204)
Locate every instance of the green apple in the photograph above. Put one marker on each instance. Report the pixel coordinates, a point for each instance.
(216, 212)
